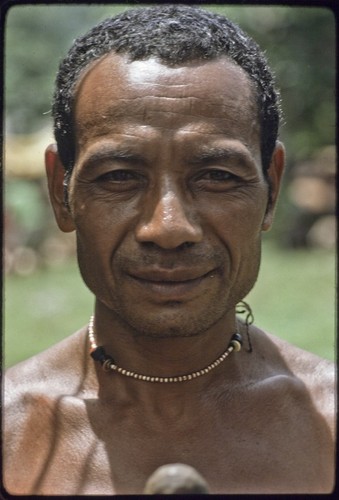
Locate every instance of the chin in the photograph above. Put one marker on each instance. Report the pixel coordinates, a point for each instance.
(175, 321)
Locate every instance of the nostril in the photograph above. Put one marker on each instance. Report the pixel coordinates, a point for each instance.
(187, 244)
(150, 246)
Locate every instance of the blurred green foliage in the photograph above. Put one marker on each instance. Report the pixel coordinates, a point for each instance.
(300, 45)
(37, 38)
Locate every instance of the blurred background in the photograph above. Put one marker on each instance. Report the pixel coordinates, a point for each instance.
(294, 298)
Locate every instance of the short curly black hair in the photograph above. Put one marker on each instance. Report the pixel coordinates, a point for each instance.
(174, 34)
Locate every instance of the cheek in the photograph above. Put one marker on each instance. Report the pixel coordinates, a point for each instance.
(102, 221)
(238, 217)
(98, 235)
(102, 230)
(237, 222)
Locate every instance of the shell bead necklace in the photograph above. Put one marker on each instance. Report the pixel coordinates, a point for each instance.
(98, 353)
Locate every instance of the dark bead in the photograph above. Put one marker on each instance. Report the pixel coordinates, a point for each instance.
(237, 337)
(100, 355)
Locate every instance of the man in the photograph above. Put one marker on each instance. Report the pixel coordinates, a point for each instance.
(168, 168)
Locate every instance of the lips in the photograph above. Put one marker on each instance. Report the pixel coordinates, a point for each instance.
(171, 284)
(169, 275)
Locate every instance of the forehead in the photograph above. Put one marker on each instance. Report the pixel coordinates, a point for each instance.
(114, 89)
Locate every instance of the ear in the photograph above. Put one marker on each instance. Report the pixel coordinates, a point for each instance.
(55, 177)
(275, 173)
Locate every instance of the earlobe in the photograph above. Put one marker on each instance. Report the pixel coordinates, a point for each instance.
(55, 178)
(275, 173)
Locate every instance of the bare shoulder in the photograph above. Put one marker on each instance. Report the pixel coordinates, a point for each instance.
(32, 387)
(37, 392)
(316, 374)
(55, 368)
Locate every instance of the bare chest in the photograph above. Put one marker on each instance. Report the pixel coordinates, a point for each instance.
(246, 448)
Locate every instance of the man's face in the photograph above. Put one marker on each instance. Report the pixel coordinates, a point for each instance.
(167, 195)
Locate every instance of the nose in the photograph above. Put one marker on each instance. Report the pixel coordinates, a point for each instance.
(167, 223)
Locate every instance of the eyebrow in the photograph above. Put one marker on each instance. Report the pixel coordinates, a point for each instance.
(111, 154)
(210, 154)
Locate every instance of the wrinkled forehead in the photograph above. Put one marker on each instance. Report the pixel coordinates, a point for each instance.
(214, 97)
(184, 80)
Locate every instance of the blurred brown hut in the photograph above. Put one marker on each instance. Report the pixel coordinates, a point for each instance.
(24, 154)
(312, 191)
(32, 238)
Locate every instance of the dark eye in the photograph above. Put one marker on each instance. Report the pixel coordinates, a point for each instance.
(122, 180)
(217, 175)
(216, 180)
(119, 176)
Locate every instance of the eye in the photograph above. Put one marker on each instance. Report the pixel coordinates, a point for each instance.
(217, 175)
(120, 175)
(216, 180)
(121, 180)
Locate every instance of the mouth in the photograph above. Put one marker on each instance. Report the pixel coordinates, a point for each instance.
(171, 285)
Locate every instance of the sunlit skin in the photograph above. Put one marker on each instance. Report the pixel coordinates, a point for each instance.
(169, 202)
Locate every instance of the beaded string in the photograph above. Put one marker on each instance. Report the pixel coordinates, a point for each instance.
(98, 353)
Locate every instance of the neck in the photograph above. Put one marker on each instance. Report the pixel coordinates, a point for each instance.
(164, 357)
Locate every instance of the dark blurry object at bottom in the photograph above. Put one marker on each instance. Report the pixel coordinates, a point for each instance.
(174, 479)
